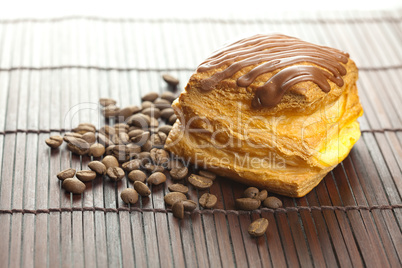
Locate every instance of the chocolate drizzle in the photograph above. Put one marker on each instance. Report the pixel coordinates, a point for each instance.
(268, 53)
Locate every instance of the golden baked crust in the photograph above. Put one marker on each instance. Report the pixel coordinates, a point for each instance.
(286, 149)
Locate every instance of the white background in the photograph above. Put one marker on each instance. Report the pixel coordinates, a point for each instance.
(182, 8)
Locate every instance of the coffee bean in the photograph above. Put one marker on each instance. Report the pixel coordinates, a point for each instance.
(167, 113)
(169, 96)
(162, 104)
(258, 227)
(131, 165)
(251, 192)
(84, 128)
(153, 168)
(207, 174)
(98, 167)
(74, 185)
(144, 157)
(172, 119)
(54, 141)
(159, 156)
(129, 196)
(165, 129)
(121, 138)
(158, 139)
(133, 149)
(156, 178)
(69, 138)
(178, 173)
(122, 126)
(107, 101)
(160, 100)
(67, 173)
(141, 138)
(89, 125)
(151, 96)
(86, 175)
(76, 150)
(110, 111)
(96, 150)
(92, 126)
(139, 120)
(108, 131)
(109, 150)
(118, 131)
(147, 104)
(110, 161)
(153, 124)
(161, 138)
(130, 128)
(126, 152)
(200, 182)
(208, 200)
(104, 140)
(119, 128)
(135, 132)
(78, 146)
(173, 197)
(152, 112)
(137, 175)
(247, 203)
(178, 210)
(177, 187)
(262, 195)
(189, 205)
(124, 113)
(170, 80)
(69, 135)
(147, 146)
(272, 202)
(89, 137)
(142, 188)
(115, 173)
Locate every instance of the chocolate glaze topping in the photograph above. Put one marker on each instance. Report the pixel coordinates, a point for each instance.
(268, 53)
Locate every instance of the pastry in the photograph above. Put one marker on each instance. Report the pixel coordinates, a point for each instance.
(270, 111)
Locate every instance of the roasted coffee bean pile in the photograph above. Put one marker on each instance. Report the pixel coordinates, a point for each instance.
(133, 147)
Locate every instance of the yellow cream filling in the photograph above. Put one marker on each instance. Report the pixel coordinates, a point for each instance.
(338, 147)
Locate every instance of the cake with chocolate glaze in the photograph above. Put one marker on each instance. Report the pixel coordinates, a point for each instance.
(271, 111)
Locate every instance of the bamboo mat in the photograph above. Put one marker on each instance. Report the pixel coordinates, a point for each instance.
(53, 71)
